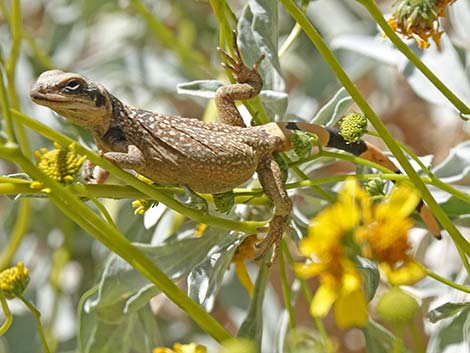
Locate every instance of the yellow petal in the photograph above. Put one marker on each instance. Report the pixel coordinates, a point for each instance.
(408, 273)
(351, 309)
(244, 277)
(308, 270)
(323, 300)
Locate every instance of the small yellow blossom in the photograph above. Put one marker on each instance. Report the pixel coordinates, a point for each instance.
(14, 280)
(200, 229)
(141, 206)
(59, 164)
(182, 348)
(419, 19)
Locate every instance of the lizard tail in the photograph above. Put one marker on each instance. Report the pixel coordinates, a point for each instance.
(330, 137)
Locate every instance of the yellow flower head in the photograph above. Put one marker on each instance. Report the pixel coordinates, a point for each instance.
(386, 233)
(14, 280)
(340, 282)
(182, 348)
(59, 164)
(419, 19)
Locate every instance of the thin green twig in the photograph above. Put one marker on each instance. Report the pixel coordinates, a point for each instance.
(7, 313)
(285, 285)
(37, 317)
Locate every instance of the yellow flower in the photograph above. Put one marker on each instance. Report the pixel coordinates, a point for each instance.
(182, 348)
(384, 237)
(14, 280)
(419, 19)
(59, 164)
(141, 206)
(351, 227)
(340, 282)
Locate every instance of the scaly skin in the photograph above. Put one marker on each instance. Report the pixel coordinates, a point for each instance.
(205, 157)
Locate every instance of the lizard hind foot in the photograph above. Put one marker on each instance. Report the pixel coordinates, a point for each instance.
(272, 240)
(237, 66)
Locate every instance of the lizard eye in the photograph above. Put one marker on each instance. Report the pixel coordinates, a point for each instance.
(73, 85)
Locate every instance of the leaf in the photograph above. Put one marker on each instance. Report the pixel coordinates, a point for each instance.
(199, 88)
(452, 335)
(332, 111)
(445, 64)
(456, 166)
(370, 275)
(379, 339)
(258, 34)
(459, 15)
(252, 326)
(445, 311)
(205, 280)
(121, 283)
(134, 334)
(274, 101)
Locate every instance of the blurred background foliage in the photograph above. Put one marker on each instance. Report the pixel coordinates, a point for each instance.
(141, 51)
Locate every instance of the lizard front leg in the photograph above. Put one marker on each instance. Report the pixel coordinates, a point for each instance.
(249, 84)
(132, 159)
(270, 176)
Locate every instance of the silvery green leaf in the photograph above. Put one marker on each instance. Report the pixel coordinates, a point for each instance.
(456, 167)
(252, 326)
(274, 101)
(257, 34)
(445, 311)
(445, 64)
(370, 275)
(452, 335)
(459, 15)
(379, 339)
(120, 282)
(199, 88)
(205, 279)
(332, 111)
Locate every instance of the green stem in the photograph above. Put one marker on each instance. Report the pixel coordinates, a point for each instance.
(37, 317)
(151, 192)
(418, 340)
(23, 219)
(285, 286)
(109, 236)
(6, 311)
(321, 46)
(293, 34)
(443, 280)
(374, 11)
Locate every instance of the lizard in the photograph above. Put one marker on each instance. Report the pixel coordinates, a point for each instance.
(203, 157)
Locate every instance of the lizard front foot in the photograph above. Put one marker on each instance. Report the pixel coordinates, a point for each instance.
(235, 64)
(277, 227)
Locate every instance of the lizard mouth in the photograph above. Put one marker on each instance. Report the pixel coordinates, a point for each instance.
(47, 97)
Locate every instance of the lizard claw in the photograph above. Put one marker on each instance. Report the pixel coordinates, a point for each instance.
(237, 66)
(277, 227)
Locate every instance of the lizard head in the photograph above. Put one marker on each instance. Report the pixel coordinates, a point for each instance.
(83, 102)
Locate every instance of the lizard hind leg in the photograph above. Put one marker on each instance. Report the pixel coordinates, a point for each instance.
(271, 178)
(249, 84)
